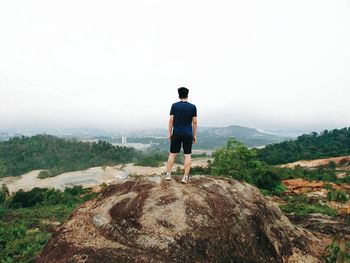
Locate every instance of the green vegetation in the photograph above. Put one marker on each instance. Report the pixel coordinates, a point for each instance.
(155, 160)
(338, 251)
(200, 155)
(4, 194)
(27, 219)
(302, 206)
(45, 174)
(213, 138)
(23, 154)
(308, 146)
(237, 161)
(156, 157)
(54, 155)
(318, 174)
(196, 170)
(338, 196)
(216, 137)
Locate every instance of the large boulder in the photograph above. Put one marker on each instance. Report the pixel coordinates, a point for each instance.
(211, 219)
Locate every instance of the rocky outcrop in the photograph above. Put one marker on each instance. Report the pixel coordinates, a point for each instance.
(211, 219)
(324, 224)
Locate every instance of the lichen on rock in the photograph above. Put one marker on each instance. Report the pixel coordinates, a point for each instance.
(212, 219)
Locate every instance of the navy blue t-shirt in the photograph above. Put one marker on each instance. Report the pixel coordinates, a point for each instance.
(183, 112)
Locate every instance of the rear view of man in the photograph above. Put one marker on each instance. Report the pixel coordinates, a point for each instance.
(182, 132)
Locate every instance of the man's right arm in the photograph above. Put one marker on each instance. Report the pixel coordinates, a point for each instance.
(170, 126)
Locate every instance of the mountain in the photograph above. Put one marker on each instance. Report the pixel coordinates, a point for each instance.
(208, 137)
(211, 138)
(212, 219)
(217, 136)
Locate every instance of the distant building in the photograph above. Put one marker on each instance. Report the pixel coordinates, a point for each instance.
(123, 140)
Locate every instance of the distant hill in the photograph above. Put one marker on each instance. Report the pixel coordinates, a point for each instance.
(19, 155)
(211, 138)
(208, 137)
(217, 136)
(308, 146)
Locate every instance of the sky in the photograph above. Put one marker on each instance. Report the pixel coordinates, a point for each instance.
(273, 65)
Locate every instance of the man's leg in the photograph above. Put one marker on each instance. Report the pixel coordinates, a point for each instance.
(171, 160)
(187, 164)
(175, 146)
(187, 145)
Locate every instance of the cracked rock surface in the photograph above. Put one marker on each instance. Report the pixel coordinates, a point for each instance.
(211, 219)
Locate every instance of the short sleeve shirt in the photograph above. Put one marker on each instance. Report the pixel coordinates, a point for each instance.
(183, 112)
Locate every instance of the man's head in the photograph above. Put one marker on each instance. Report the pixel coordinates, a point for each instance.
(183, 93)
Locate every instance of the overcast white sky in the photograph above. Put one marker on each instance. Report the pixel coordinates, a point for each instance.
(118, 64)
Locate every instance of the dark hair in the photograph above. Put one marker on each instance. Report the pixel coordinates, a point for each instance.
(183, 92)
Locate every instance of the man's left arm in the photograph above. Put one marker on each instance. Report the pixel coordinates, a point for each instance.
(171, 122)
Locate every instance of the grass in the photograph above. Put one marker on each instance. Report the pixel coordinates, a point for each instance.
(25, 231)
(303, 206)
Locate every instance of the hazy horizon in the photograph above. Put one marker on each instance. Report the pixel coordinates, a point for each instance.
(271, 65)
(75, 130)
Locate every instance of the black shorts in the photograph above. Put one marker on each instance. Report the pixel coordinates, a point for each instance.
(184, 139)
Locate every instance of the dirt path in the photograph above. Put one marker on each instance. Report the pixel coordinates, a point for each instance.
(90, 177)
(317, 162)
(87, 178)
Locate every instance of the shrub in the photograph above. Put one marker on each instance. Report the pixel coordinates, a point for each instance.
(336, 252)
(303, 206)
(239, 162)
(338, 196)
(235, 160)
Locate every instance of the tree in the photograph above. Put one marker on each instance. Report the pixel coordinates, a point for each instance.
(239, 162)
(56, 155)
(236, 160)
(308, 146)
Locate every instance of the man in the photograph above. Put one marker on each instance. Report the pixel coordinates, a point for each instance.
(182, 132)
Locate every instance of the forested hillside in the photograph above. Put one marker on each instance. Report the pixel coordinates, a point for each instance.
(216, 137)
(308, 146)
(23, 154)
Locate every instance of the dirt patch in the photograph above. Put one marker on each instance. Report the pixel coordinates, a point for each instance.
(342, 161)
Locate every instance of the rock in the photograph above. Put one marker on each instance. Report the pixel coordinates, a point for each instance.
(324, 224)
(212, 219)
